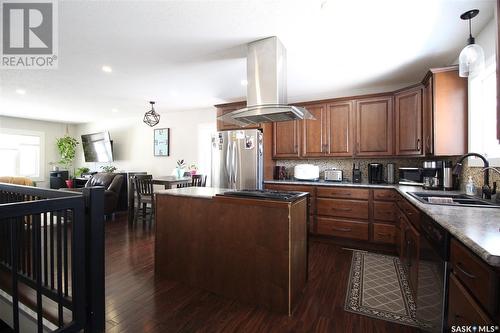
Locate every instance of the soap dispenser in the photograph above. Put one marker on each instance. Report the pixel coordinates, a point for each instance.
(470, 188)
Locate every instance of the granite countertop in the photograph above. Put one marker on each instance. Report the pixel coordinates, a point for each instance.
(477, 228)
(193, 191)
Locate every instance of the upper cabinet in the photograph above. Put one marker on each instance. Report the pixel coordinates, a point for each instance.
(339, 128)
(408, 122)
(374, 123)
(286, 139)
(445, 112)
(314, 132)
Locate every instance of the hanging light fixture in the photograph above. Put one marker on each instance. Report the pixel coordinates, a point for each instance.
(471, 60)
(151, 117)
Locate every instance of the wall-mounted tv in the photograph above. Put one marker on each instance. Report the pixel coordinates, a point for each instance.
(97, 147)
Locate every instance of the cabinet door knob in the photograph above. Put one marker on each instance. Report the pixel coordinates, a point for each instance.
(418, 144)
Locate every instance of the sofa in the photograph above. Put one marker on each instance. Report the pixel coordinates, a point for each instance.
(112, 184)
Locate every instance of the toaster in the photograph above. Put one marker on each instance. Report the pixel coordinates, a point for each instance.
(333, 175)
(306, 172)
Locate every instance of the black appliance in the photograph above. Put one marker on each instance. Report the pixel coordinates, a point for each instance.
(432, 173)
(57, 179)
(375, 173)
(266, 194)
(432, 275)
(411, 176)
(279, 173)
(356, 173)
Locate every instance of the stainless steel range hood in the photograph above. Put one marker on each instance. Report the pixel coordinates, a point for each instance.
(266, 89)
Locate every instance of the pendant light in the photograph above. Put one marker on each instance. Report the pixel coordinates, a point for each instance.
(471, 59)
(151, 117)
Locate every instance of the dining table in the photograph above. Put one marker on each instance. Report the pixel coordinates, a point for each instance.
(166, 181)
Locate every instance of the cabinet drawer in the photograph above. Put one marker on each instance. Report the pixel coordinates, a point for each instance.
(384, 233)
(385, 211)
(462, 309)
(411, 212)
(475, 275)
(385, 195)
(342, 208)
(342, 228)
(342, 192)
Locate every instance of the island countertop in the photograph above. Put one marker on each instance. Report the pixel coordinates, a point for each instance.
(194, 191)
(476, 228)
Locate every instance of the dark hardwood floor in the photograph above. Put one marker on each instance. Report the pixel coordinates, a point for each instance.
(136, 302)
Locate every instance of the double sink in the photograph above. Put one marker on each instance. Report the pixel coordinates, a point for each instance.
(452, 200)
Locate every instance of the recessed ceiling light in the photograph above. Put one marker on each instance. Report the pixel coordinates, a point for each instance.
(244, 82)
(107, 69)
(114, 110)
(21, 91)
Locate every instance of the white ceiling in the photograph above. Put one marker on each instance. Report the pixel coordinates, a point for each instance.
(191, 54)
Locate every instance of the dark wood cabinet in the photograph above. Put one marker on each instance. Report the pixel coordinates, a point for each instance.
(314, 132)
(409, 252)
(445, 111)
(286, 139)
(340, 128)
(374, 124)
(408, 122)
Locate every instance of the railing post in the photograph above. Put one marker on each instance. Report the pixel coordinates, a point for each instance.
(94, 206)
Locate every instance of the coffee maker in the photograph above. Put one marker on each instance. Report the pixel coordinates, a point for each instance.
(375, 173)
(432, 173)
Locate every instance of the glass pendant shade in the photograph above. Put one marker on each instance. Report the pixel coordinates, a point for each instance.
(471, 60)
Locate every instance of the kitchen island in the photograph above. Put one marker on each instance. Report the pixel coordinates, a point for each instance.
(250, 250)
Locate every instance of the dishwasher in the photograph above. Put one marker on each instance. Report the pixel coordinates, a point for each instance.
(433, 275)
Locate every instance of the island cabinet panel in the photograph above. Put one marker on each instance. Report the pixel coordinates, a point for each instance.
(252, 251)
(475, 275)
(314, 132)
(355, 209)
(374, 126)
(286, 139)
(340, 128)
(408, 122)
(343, 228)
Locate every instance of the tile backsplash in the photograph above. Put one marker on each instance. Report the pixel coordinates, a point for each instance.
(346, 166)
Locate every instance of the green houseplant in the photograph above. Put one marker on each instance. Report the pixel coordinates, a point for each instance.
(66, 146)
(81, 171)
(108, 168)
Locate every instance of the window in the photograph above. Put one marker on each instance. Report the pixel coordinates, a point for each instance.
(482, 116)
(21, 153)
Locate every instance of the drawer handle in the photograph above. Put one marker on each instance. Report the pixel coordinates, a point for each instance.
(342, 209)
(336, 193)
(342, 229)
(409, 213)
(383, 234)
(469, 275)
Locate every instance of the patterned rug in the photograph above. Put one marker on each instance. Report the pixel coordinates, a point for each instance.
(378, 288)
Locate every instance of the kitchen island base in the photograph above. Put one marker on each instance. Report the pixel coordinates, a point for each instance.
(250, 250)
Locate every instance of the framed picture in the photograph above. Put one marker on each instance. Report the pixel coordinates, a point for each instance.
(162, 142)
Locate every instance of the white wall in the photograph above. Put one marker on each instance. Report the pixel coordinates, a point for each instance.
(52, 131)
(190, 133)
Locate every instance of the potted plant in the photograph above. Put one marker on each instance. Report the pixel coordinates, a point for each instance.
(81, 171)
(67, 149)
(180, 168)
(193, 169)
(108, 168)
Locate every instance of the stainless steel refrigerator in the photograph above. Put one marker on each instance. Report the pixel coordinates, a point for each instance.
(237, 159)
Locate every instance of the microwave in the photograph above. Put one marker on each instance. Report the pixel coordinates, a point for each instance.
(411, 176)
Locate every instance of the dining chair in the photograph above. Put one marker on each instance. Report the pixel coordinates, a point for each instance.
(199, 180)
(145, 196)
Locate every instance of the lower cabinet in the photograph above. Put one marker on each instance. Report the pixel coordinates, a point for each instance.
(462, 308)
(384, 233)
(409, 249)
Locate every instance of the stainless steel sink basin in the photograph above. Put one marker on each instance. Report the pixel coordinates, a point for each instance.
(452, 200)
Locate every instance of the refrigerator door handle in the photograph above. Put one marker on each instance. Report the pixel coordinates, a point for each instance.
(235, 162)
(228, 163)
